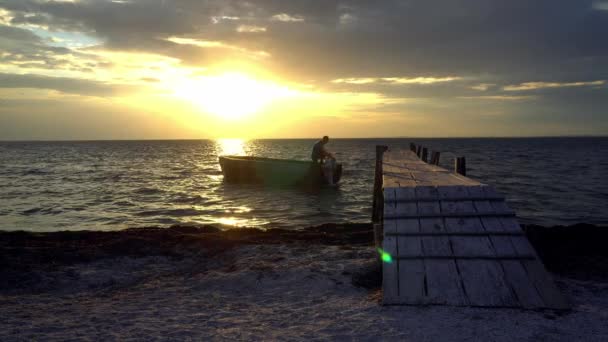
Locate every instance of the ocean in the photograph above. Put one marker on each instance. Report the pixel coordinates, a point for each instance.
(112, 185)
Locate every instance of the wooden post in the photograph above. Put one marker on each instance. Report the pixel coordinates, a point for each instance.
(460, 166)
(413, 147)
(425, 154)
(435, 158)
(418, 151)
(378, 200)
(378, 234)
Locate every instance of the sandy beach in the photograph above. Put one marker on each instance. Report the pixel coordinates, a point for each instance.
(188, 283)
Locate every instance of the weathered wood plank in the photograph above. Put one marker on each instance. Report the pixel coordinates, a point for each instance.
(465, 257)
(483, 280)
(390, 272)
(543, 282)
(454, 215)
(427, 262)
(406, 164)
(389, 196)
(411, 272)
(470, 198)
(515, 274)
(443, 282)
(484, 233)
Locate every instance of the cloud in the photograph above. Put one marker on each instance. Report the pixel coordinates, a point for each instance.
(543, 85)
(284, 17)
(448, 50)
(419, 80)
(18, 34)
(497, 97)
(218, 19)
(205, 44)
(600, 5)
(355, 80)
(395, 80)
(250, 29)
(483, 86)
(62, 84)
(338, 39)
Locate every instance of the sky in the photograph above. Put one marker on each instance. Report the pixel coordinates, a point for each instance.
(190, 69)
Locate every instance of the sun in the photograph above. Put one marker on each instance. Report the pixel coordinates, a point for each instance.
(230, 95)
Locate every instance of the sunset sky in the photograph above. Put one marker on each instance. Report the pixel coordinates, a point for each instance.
(162, 69)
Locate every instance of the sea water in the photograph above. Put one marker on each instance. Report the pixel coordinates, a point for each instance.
(111, 185)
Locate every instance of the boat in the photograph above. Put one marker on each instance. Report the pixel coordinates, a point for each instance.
(270, 171)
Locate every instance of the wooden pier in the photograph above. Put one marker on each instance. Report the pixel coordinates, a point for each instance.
(452, 240)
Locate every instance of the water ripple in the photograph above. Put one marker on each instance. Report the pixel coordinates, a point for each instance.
(114, 185)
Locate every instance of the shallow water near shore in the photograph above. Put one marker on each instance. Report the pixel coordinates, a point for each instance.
(112, 185)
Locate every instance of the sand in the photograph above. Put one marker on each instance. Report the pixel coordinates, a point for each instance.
(297, 290)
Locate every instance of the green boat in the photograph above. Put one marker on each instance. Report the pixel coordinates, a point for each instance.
(246, 169)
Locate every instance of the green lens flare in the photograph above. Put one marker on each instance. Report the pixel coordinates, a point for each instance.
(386, 257)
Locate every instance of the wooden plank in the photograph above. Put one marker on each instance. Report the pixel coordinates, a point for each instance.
(390, 273)
(442, 278)
(411, 272)
(406, 164)
(515, 275)
(489, 282)
(467, 257)
(483, 280)
(484, 233)
(470, 198)
(543, 281)
(453, 215)
(389, 196)
(552, 297)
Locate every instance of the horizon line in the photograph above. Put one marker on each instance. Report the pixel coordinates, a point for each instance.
(312, 138)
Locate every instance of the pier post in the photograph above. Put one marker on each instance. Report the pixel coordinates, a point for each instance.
(435, 158)
(460, 166)
(413, 147)
(418, 151)
(378, 200)
(425, 154)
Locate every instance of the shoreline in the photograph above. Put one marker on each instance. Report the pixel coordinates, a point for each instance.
(576, 251)
(322, 282)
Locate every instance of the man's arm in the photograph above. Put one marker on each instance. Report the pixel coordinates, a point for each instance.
(328, 154)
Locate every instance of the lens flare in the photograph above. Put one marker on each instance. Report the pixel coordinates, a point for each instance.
(385, 256)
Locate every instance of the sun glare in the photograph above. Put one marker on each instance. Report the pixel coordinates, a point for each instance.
(231, 95)
(234, 147)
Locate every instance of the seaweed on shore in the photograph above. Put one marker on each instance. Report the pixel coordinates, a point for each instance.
(24, 250)
(576, 251)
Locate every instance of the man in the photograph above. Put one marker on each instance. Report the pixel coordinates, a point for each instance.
(319, 153)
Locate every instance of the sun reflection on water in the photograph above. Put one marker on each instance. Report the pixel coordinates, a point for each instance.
(241, 222)
(233, 147)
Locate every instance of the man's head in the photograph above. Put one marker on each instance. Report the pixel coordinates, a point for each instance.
(325, 139)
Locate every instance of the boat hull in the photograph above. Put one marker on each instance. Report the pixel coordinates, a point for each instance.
(245, 169)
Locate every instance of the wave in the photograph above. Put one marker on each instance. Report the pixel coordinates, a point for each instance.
(42, 211)
(186, 199)
(35, 172)
(180, 212)
(148, 191)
